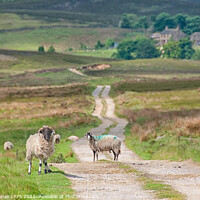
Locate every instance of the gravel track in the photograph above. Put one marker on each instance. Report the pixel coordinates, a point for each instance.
(100, 180)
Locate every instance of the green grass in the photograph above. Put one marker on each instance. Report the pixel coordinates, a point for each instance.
(16, 181)
(153, 114)
(128, 69)
(32, 68)
(162, 190)
(69, 114)
(104, 53)
(160, 100)
(167, 148)
(32, 39)
(155, 85)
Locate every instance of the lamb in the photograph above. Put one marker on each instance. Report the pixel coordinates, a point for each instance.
(57, 138)
(104, 143)
(73, 138)
(40, 145)
(8, 145)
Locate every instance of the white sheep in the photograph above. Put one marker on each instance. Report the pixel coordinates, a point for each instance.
(40, 145)
(104, 143)
(73, 138)
(57, 138)
(8, 145)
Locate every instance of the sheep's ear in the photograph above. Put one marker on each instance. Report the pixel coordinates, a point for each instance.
(40, 130)
(53, 132)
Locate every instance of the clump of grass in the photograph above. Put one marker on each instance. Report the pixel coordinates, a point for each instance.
(77, 119)
(189, 126)
(145, 85)
(162, 190)
(147, 122)
(58, 159)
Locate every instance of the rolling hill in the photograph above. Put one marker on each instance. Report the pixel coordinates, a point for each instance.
(100, 12)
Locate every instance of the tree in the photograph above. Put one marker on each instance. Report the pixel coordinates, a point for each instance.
(125, 48)
(109, 43)
(125, 22)
(145, 48)
(181, 49)
(83, 46)
(69, 49)
(180, 20)
(162, 20)
(171, 50)
(51, 49)
(186, 48)
(99, 45)
(41, 49)
(141, 47)
(193, 24)
(196, 55)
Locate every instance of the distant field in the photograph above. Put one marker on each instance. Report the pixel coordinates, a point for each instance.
(103, 53)
(31, 68)
(27, 32)
(160, 68)
(19, 68)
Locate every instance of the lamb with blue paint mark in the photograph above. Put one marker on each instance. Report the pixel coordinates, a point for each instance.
(104, 143)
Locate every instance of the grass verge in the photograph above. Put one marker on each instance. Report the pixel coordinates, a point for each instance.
(161, 190)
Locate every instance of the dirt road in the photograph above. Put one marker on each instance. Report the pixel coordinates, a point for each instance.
(101, 180)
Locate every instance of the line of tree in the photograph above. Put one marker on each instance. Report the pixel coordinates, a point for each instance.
(51, 49)
(133, 21)
(187, 23)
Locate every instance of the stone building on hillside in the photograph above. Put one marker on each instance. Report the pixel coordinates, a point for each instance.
(195, 37)
(165, 36)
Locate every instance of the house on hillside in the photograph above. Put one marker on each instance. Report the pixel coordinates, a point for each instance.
(195, 37)
(165, 36)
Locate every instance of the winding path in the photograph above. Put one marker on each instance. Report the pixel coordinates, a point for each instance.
(101, 180)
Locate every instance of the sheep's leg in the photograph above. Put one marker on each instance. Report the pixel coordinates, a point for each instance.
(29, 168)
(40, 166)
(46, 167)
(94, 152)
(117, 156)
(97, 156)
(114, 155)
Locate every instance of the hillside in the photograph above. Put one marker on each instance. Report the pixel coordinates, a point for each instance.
(102, 12)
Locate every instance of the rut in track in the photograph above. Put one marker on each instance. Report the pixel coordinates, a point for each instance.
(101, 180)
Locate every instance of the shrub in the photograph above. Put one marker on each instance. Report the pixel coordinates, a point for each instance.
(51, 49)
(99, 45)
(41, 49)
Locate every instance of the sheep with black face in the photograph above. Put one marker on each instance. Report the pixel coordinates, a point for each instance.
(40, 145)
(104, 143)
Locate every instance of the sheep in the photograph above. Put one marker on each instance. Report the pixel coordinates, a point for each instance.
(73, 138)
(57, 138)
(8, 145)
(40, 145)
(104, 143)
